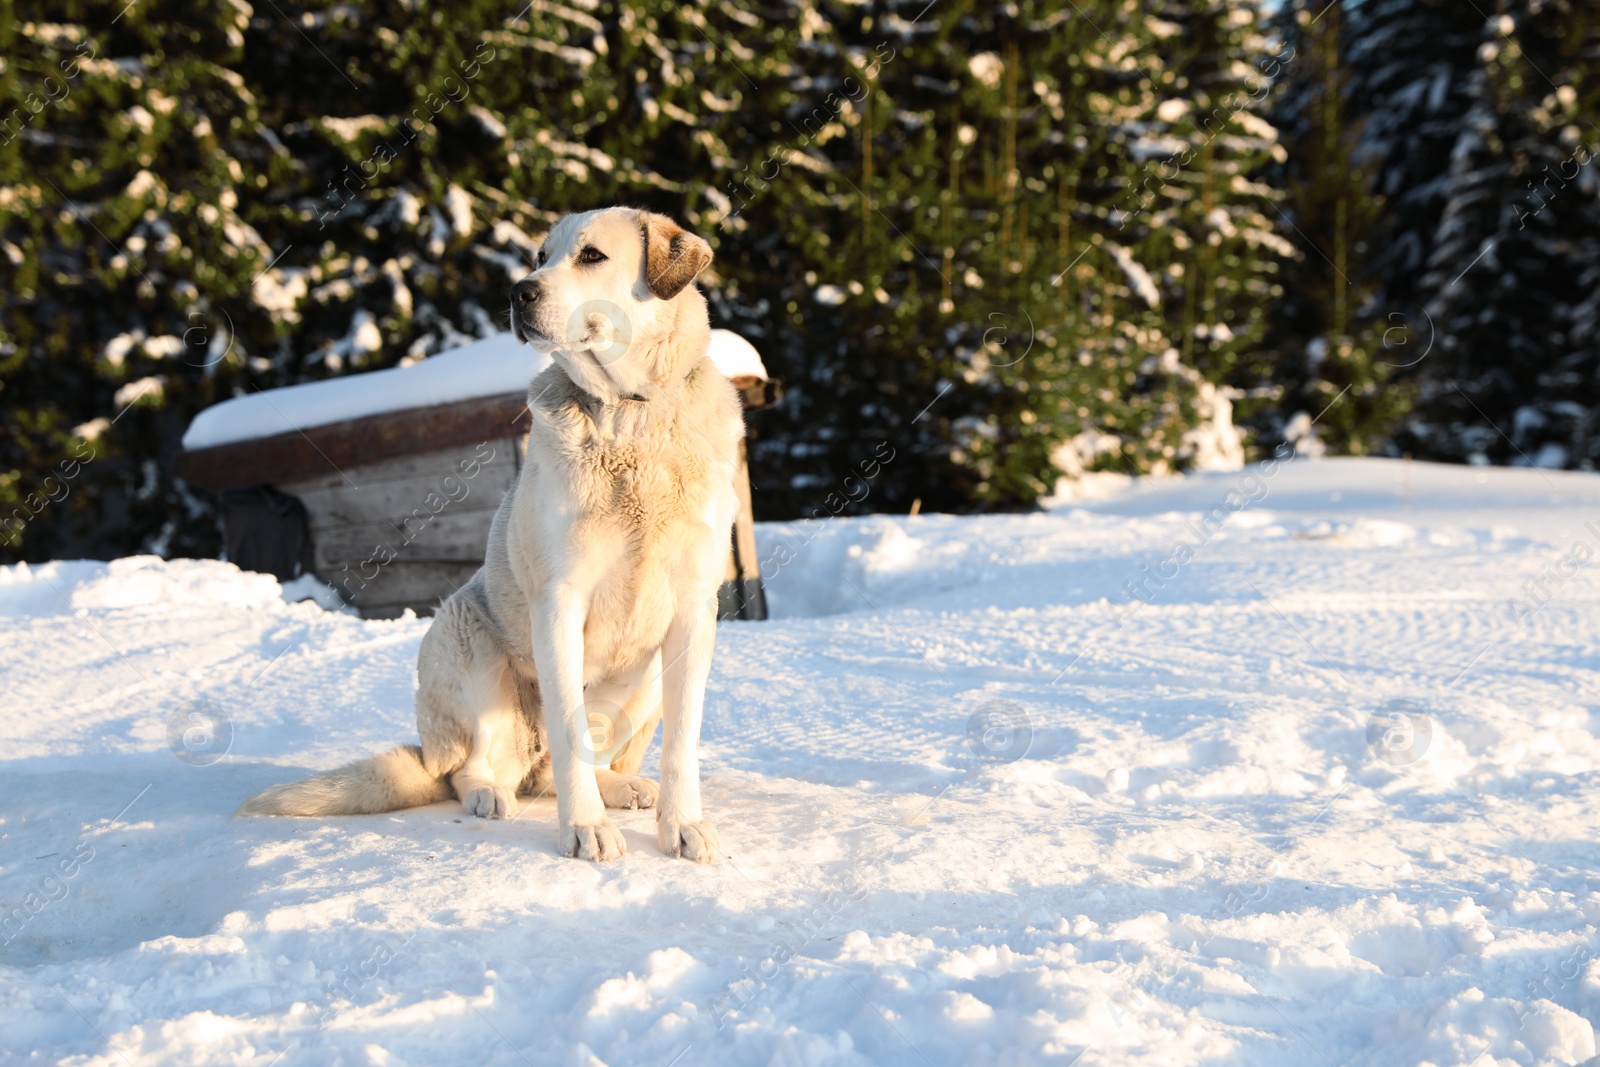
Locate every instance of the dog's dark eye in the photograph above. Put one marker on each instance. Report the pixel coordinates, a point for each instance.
(591, 254)
(538, 259)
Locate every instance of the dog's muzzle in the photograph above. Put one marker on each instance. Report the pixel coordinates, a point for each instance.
(525, 296)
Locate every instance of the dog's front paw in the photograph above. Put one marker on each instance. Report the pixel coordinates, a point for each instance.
(621, 792)
(695, 841)
(490, 802)
(592, 841)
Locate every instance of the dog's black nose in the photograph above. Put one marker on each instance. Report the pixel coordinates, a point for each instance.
(525, 293)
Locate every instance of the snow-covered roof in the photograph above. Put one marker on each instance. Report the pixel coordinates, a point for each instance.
(734, 356)
(492, 367)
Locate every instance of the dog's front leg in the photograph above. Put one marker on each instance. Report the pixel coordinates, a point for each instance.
(558, 654)
(680, 828)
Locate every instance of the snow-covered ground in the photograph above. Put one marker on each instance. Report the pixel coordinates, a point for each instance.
(1327, 791)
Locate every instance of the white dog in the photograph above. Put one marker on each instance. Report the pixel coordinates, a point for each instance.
(595, 609)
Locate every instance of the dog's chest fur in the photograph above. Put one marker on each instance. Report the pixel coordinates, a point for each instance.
(630, 472)
(642, 492)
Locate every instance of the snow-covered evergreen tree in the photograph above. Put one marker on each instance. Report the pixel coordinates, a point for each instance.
(1222, 270)
(1179, 249)
(1409, 73)
(1336, 350)
(1512, 276)
(226, 198)
(124, 180)
(1041, 219)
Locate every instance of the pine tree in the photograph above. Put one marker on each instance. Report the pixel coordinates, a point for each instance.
(1511, 280)
(1410, 66)
(997, 193)
(1182, 251)
(1224, 226)
(232, 202)
(1336, 349)
(120, 188)
(950, 229)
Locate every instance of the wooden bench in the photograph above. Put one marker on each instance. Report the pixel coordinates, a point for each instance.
(396, 505)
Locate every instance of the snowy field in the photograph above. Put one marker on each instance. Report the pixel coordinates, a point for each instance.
(1326, 792)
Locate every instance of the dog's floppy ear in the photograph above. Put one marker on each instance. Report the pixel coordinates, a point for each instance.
(672, 255)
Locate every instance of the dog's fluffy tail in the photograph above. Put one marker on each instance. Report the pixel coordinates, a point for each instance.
(388, 782)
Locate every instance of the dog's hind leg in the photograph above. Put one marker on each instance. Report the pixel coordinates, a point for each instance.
(498, 760)
(469, 715)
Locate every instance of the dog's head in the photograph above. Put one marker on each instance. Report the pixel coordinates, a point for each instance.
(610, 300)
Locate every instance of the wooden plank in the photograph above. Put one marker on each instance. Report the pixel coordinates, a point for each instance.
(329, 450)
(397, 586)
(741, 595)
(394, 611)
(744, 523)
(449, 536)
(399, 488)
(331, 510)
(432, 464)
(755, 393)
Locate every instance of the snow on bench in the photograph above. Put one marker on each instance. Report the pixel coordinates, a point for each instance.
(494, 366)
